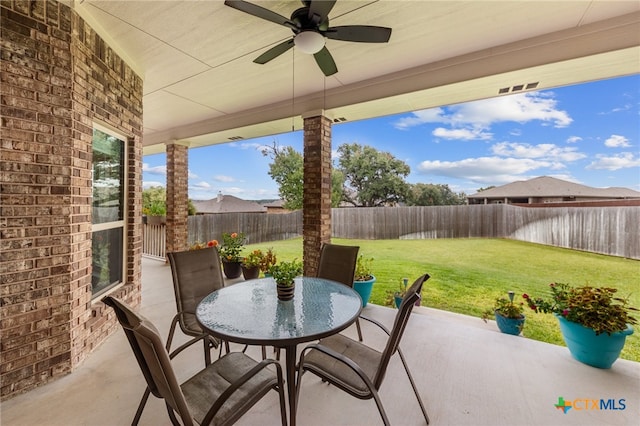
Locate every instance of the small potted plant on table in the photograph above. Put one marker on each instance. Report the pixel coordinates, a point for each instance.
(284, 274)
(509, 316)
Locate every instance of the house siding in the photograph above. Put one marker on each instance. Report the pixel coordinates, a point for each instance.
(57, 77)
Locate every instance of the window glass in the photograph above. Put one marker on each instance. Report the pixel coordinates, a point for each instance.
(108, 178)
(108, 211)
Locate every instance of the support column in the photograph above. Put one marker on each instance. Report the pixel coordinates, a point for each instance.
(177, 195)
(316, 200)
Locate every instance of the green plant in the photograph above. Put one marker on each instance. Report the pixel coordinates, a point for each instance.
(363, 269)
(268, 260)
(156, 208)
(592, 307)
(505, 307)
(253, 259)
(231, 246)
(284, 272)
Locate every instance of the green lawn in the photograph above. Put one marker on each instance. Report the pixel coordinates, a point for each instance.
(468, 274)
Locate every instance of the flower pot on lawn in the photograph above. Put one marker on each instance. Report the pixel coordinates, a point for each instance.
(600, 350)
(364, 289)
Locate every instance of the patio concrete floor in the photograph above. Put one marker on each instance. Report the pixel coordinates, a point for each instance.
(468, 373)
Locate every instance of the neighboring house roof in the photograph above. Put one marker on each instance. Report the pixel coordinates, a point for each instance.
(546, 186)
(276, 204)
(227, 204)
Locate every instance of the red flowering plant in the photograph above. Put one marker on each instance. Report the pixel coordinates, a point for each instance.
(593, 307)
(231, 247)
(198, 245)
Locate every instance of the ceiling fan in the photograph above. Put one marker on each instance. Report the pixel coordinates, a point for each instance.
(310, 26)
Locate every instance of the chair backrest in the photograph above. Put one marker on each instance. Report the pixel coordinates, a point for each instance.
(152, 357)
(338, 263)
(195, 273)
(402, 318)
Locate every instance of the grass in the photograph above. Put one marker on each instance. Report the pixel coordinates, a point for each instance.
(468, 274)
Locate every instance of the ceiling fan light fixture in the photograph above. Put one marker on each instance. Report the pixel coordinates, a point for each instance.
(309, 42)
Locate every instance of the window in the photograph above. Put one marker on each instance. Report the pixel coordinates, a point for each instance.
(108, 210)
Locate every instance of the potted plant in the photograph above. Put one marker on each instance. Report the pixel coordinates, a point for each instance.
(198, 245)
(230, 253)
(284, 274)
(593, 322)
(508, 315)
(394, 298)
(156, 213)
(364, 279)
(251, 264)
(268, 260)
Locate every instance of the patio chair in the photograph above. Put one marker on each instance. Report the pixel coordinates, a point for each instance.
(195, 273)
(338, 263)
(219, 394)
(359, 369)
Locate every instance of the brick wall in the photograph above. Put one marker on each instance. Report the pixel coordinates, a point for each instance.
(57, 76)
(316, 216)
(177, 196)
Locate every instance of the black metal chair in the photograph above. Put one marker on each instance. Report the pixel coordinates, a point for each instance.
(338, 263)
(219, 394)
(359, 369)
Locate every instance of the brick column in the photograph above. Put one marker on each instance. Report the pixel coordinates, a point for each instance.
(177, 195)
(316, 200)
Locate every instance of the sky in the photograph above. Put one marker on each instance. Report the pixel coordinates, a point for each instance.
(587, 134)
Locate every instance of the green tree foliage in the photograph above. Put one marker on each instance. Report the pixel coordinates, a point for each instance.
(287, 170)
(428, 194)
(154, 201)
(488, 187)
(372, 178)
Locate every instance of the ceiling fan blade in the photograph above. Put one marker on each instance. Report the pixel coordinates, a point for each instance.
(274, 52)
(260, 12)
(359, 33)
(325, 62)
(321, 9)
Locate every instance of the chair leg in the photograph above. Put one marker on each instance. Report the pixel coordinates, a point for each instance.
(207, 351)
(172, 416)
(383, 414)
(359, 329)
(143, 402)
(413, 385)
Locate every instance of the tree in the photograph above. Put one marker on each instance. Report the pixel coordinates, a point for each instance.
(287, 170)
(155, 199)
(428, 194)
(372, 178)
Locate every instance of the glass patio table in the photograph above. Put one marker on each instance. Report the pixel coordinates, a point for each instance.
(250, 313)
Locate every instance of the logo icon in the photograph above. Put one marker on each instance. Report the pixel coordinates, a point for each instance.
(563, 405)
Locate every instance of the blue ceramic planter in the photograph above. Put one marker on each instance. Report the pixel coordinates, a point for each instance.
(364, 289)
(509, 325)
(599, 351)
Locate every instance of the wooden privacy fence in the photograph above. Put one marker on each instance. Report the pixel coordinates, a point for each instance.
(607, 230)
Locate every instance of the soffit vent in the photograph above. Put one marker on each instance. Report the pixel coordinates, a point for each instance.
(236, 138)
(339, 120)
(518, 88)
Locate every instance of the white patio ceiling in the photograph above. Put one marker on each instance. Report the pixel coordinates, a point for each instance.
(201, 86)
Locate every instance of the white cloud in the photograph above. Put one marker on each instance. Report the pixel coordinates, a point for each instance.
(462, 134)
(202, 185)
(493, 170)
(433, 115)
(544, 151)
(520, 108)
(617, 141)
(223, 178)
(574, 139)
(150, 183)
(623, 160)
(157, 170)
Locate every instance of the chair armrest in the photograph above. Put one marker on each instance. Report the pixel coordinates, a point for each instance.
(236, 384)
(338, 357)
(379, 324)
